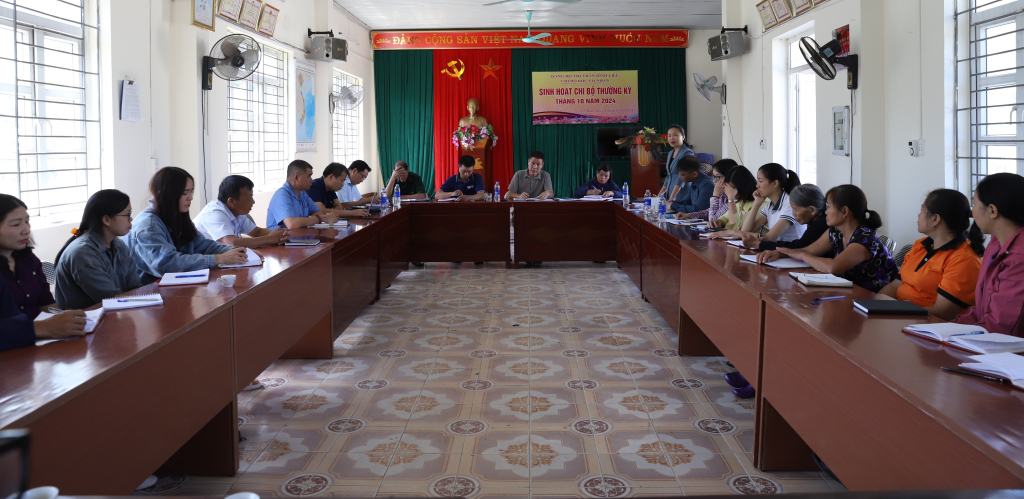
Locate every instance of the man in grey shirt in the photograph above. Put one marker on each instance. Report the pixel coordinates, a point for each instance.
(531, 182)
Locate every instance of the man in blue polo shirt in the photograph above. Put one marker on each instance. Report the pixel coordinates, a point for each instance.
(697, 188)
(465, 185)
(291, 207)
(324, 192)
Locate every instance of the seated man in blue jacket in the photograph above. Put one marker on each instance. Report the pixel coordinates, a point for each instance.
(600, 185)
(697, 188)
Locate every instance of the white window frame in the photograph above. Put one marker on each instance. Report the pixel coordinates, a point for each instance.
(346, 126)
(50, 154)
(793, 115)
(976, 141)
(259, 109)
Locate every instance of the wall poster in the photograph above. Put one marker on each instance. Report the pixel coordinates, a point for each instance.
(305, 106)
(583, 97)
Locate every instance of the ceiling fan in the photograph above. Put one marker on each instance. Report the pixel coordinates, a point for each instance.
(507, 1)
(530, 38)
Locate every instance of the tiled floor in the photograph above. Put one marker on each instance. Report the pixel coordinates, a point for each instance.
(484, 382)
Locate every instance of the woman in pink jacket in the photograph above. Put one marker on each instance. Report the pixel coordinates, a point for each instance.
(999, 297)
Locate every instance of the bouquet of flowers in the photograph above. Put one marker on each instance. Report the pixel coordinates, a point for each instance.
(645, 138)
(467, 136)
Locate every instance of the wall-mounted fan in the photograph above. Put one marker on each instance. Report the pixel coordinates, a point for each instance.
(823, 60)
(233, 57)
(707, 86)
(347, 99)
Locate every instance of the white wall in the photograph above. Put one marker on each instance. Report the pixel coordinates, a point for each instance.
(703, 118)
(154, 43)
(903, 95)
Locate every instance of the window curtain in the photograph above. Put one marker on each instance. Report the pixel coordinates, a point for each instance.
(571, 150)
(450, 97)
(404, 87)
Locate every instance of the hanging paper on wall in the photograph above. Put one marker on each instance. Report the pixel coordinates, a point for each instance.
(268, 20)
(250, 16)
(764, 9)
(782, 12)
(202, 14)
(305, 107)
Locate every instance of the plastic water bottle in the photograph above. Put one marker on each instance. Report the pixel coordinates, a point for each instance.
(497, 192)
(662, 208)
(398, 196)
(647, 204)
(383, 199)
(625, 195)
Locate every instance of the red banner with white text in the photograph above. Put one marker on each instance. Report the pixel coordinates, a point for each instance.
(560, 38)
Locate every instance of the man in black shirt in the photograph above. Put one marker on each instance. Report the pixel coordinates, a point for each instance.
(324, 191)
(409, 183)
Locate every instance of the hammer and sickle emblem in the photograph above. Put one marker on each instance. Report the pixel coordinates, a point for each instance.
(454, 69)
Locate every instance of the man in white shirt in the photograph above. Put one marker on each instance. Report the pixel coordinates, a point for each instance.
(226, 218)
(349, 193)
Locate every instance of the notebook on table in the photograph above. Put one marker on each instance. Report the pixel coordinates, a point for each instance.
(182, 278)
(726, 238)
(92, 318)
(781, 263)
(975, 339)
(133, 301)
(340, 224)
(303, 241)
(253, 259)
(827, 280)
(1006, 366)
(889, 307)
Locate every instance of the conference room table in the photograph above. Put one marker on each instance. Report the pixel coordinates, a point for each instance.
(156, 388)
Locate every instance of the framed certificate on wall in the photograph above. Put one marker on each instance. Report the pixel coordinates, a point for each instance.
(268, 20)
(230, 9)
(782, 12)
(801, 6)
(250, 16)
(202, 14)
(764, 9)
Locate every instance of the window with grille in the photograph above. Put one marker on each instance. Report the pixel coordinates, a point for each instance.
(990, 118)
(49, 106)
(257, 122)
(347, 124)
(802, 141)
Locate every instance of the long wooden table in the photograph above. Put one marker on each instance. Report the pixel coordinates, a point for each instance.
(869, 400)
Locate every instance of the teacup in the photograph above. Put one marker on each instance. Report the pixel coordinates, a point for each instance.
(41, 493)
(228, 281)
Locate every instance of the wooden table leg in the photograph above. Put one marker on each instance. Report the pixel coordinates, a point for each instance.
(212, 451)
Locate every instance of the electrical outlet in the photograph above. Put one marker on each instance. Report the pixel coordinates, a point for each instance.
(763, 145)
(916, 148)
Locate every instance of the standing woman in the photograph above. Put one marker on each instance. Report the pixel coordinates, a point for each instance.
(26, 291)
(774, 184)
(850, 249)
(163, 239)
(719, 202)
(95, 263)
(999, 211)
(677, 140)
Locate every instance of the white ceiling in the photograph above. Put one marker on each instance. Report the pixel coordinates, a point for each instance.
(468, 14)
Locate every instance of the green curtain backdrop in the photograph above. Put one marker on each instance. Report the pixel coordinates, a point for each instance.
(404, 86)
(571, 150)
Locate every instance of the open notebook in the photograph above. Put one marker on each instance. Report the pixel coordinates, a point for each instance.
(781, 263)
(324, 225)
(968, 337)
(134, 301)
(253, 260)
(828, 280)
(92, 318)
(1001, 365)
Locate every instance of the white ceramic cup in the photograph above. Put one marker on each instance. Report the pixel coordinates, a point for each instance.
(243, 495)
(228, 281)
(41, 493)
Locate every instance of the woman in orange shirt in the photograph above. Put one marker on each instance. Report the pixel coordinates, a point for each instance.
(941, 271)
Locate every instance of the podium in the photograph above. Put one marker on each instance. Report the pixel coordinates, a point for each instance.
(645, 172)
(481, 154)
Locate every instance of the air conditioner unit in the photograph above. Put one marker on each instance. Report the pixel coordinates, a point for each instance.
(328, 48)
(727, 45)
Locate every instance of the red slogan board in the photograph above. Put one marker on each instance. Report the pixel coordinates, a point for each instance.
(645, 38)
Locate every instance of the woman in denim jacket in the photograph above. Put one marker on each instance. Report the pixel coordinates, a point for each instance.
(164, 239)
(95, 263)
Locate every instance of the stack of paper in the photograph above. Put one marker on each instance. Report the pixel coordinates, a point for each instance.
(531, 199)
(968, 337)
(781, 263)
(134, 301)
(726, 238)
(1001, 365)
(445, 200)
(323, 225)
(190, 277)
(92, 318)
(253, 260)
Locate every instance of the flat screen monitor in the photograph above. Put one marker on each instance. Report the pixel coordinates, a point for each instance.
(606, 137)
